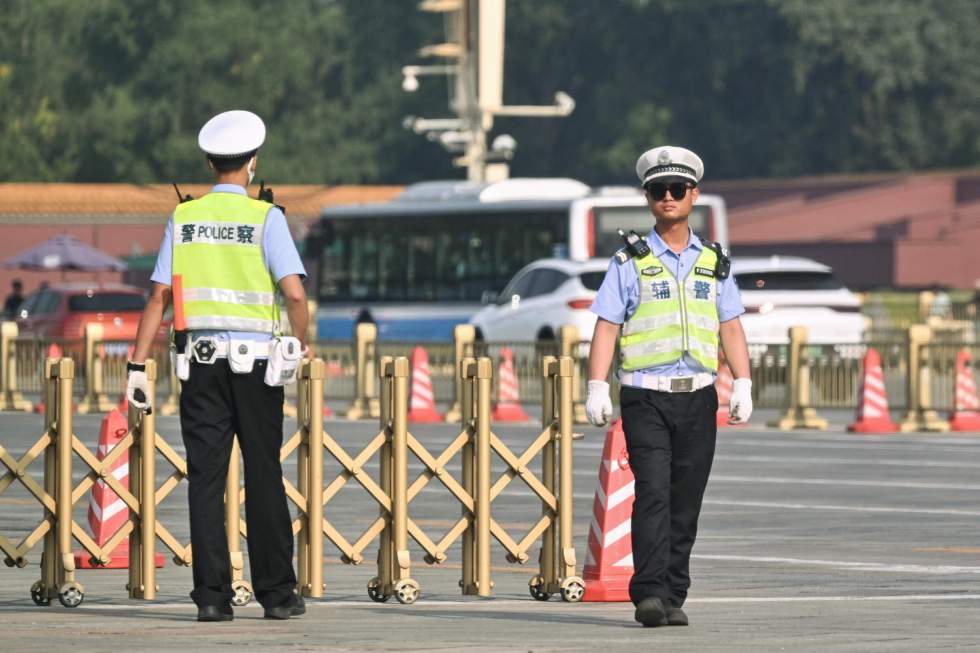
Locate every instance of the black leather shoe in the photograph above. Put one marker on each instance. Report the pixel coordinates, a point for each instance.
(293, 607)
(675, 616)
(215, 613)
(650, 612)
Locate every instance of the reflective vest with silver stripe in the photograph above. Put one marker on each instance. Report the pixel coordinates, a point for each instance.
(668, 323)
(218, 254)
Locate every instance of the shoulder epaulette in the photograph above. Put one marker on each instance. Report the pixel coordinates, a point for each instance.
(622, 256)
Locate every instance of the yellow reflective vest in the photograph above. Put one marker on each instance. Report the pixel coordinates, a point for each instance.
(674, 316)
(219, 265)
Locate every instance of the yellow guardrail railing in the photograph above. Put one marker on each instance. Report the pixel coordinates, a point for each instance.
(475, 445)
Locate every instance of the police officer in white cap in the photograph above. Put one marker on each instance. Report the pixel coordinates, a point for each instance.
(668, 299)
(225, 261)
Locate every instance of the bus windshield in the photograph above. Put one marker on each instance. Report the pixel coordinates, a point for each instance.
(610, 218)
(432, 258)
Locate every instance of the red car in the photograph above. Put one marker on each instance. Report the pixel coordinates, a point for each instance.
(62, 310)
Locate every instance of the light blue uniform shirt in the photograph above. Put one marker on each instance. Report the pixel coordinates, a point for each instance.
(278, 247)
(619, 295)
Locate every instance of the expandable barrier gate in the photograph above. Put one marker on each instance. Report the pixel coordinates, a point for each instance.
(475, 444)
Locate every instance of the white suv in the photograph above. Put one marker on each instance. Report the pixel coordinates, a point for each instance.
(780, 292)
(541, 298)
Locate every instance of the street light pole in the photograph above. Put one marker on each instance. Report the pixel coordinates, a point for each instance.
(474, 48)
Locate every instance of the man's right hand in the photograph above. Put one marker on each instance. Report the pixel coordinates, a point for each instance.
(598, 405)
(137, 386)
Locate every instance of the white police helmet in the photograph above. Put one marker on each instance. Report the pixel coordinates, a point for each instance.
(668, 161)
(231, 134)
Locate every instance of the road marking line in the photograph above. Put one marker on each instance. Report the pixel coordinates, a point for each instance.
(845, 461)
(824, 506)
(850, 565)
(724, 478)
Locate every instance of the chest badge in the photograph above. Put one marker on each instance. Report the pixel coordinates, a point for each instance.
(651, 271)
(704, 272)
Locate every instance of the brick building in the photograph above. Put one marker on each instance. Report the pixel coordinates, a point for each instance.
(899, 230)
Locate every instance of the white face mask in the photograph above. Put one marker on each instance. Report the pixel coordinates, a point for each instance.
(251, 170)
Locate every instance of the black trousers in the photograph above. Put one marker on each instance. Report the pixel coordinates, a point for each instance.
(216, 404)
(670, 438)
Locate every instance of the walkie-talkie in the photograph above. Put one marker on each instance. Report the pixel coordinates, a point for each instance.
(635, 244)
(181, 198)
(265, 194)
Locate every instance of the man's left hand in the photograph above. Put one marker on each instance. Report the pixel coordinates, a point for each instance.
(740, 404)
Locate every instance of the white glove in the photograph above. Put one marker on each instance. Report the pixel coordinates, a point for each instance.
(598, 405)
(740, 404)
(137, 388)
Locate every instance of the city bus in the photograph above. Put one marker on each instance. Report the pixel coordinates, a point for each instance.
(426, 260)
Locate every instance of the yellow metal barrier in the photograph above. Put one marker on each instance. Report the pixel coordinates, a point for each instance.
(800, 414)
(920, 416)
(10, 396)
(476, 444)
(464, 336)
(95, 400)
(572, 347)
(365, 403)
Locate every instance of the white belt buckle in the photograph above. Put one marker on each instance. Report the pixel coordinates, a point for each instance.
(682, 384)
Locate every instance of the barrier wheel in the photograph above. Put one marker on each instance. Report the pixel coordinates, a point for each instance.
(39, 595)
(535, 587)
(572, 589)
(407, 591)
(71, 594)
(243, 593)
(374, 591)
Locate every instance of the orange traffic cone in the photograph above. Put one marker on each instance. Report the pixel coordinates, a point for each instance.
(966, 415)
(609, 559)
(724, 384)
(872, 413)
(107, 513)
(422, 406)
(54, 351)
(508, 407)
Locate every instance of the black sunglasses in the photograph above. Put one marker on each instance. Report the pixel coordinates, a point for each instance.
(678, 190)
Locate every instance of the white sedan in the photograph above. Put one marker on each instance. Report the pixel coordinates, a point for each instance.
(541, 298)
(780, 292)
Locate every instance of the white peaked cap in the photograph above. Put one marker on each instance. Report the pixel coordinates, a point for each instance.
(668, 161)
(232, 133)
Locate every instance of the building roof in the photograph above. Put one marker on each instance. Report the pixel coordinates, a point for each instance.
(131, 203)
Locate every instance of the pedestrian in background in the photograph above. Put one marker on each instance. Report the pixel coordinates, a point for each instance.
(224, 259)
(13, 301)
(669, 299)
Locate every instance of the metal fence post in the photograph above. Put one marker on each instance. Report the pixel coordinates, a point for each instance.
(95, 400)
(10, 396)
(468, 457)
(142, 543)
(380, 587)
(365, 402)
(572, 587)
(799, 415)
(405, 588)
(51, 574)
(920, 416)
(568, 336)
(233, 518)
(463, 337)
(546, 582)
(314, 494)
(484, 382)
(70, 591)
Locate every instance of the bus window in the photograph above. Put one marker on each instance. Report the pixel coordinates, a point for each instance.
(638, 218)
(432, 258)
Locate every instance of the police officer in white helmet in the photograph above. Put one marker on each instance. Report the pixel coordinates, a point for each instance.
(225, 261)
(669, 299)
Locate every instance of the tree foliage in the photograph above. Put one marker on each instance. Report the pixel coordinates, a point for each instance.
(116, 90)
